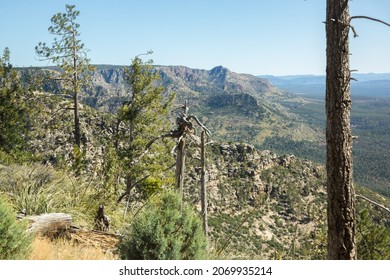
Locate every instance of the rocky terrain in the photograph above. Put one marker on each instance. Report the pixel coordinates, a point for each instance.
(237, 107)
(261, 205)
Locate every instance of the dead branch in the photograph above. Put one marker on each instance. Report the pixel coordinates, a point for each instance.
(354, 31)
(364, 17)
(369, 18)
(208, 133)
(373, 202)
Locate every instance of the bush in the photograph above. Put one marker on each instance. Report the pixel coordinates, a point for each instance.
(15, 242)
(164, 232)
(373, 239)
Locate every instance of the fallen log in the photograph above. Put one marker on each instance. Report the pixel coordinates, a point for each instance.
(49, 223)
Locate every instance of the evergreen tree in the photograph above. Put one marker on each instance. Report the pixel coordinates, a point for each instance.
(340, 190)
(69, 54)
(142, 118)
(14, 119)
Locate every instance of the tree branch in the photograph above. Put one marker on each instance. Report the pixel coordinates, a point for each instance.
(369, 18)
(134, 185)
(172, 134)
(208, 133)
(354, 31)
(373, 202)
(138, 182)
(364, 17)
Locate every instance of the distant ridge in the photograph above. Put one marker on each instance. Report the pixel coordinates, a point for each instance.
(371, 84)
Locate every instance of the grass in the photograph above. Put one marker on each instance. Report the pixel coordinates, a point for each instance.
(63, 249)
(42, 189)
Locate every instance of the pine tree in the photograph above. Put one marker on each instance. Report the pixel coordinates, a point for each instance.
(69, 54)
(341, 194)
(14, 120)
(142, 118)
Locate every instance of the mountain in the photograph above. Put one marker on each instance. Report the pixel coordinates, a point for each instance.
(246, 108)
(370, 84)
(236, 107)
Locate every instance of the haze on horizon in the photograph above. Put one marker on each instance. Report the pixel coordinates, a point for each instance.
(284, 37)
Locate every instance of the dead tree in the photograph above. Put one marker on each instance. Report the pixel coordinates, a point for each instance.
(203, 190)
(186, 128)
(341, 193)
(50, 223)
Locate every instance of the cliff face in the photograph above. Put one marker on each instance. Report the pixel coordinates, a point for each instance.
(257, 197)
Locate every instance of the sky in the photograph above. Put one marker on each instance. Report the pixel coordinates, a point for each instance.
(259, 37)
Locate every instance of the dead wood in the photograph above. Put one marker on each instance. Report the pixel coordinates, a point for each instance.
(49, 223)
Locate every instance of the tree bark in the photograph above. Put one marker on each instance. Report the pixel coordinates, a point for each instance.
(180, 164)
(341, 195)
(181, 157)
(203, 193)
(50, 223)
(77, 133)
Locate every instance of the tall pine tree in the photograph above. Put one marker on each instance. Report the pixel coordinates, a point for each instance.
(69, 54)
(142, 118)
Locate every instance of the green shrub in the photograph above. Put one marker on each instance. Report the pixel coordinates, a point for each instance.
(15, 242)
(373, 239)
(164, 231)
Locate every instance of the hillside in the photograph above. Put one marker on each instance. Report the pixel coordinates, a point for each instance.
(261, 205)
(237, 107)
(245, 108)
(241, 107)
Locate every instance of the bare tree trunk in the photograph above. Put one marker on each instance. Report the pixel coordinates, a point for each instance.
(203, 193)
(181, 157)
(180, 164)
(77, 133)
(341, 195)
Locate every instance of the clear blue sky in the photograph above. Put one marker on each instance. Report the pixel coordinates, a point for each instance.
(277, 37)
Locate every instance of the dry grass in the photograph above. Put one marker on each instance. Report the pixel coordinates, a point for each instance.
(63, 249)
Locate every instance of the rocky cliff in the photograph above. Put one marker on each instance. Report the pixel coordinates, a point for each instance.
(260, 203)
